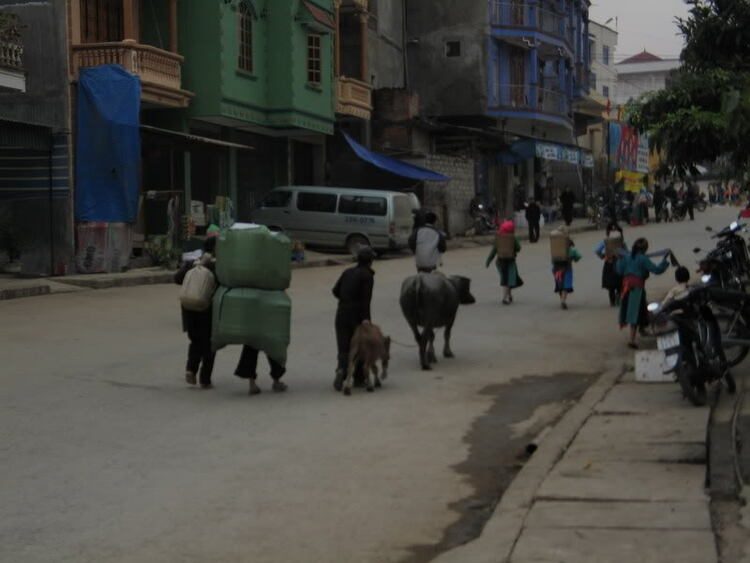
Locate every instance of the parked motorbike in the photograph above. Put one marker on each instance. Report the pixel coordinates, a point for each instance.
(482, 217)
(679, 210)
(689, 334)
(701, 204)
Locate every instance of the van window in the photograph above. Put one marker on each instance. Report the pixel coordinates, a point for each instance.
(277, 199)
(322, 203)
(360, 205)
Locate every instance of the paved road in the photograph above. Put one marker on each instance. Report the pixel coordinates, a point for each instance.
(105, 454)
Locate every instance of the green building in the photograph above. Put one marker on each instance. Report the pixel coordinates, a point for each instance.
(262, 76)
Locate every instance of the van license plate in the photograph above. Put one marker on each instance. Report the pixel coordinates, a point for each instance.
(668, 341)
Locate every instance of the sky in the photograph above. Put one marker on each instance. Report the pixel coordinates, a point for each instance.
(642, 24)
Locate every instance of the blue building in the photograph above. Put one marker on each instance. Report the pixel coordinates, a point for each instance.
(515, 72)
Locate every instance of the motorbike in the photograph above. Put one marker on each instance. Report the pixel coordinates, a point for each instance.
(482, 217)
(701, 204)
(679, 209)
(689, 334)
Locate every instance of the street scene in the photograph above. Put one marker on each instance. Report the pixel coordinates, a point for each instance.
(374, 280)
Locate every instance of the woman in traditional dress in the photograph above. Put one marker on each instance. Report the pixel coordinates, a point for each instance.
(635, 268)
(562, 270)
(611, 250)
(506, 266)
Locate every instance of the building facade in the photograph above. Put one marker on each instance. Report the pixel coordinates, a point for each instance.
(640, 74)
(36, 233)
(499, 76)
(603, 46)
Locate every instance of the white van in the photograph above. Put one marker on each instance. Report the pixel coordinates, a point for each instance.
(340, 217)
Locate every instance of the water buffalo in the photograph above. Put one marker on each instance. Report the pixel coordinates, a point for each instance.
(431, 301)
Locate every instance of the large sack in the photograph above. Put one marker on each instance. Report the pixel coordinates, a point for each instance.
(197, 289)
(255, 317)
(254, 257)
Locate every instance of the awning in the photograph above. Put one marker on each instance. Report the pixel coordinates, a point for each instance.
(317, 18)
(530, 148)
(187, 137)
(393, 165)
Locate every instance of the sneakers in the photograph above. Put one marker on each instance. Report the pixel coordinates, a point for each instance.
(190, 378)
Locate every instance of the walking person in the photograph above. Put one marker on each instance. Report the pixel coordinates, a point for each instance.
(691, 196)
(567, 201)
(533, 216)
(634, 269)
(610, 250)
(354, 292)
(197, 321)
(428, 243)
(658, 202)
(506, 249)
(247, 368)
(562, 267)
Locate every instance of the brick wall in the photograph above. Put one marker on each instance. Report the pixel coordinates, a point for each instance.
(450, 200)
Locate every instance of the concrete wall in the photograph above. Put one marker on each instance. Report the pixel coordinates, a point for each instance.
(386, 44)
(450, 200)
(605, 71)
(448, 85)
(35, 208)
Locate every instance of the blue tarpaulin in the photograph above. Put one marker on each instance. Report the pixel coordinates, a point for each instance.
(108, 147)
(393, 165)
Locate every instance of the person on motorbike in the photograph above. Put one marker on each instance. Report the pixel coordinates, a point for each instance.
(634, 269)
(682, 277)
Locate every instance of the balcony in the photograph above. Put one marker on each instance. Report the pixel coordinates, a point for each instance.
(353, 97)
(532, 99)
(12, 74)
(160, 71)
(522, 16)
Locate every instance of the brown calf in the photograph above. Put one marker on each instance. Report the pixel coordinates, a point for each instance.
(368, 346)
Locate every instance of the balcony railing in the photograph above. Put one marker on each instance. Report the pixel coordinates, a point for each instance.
(504, 13)
(153, 65)
(10, 55)
(524, 96)
(353, 97)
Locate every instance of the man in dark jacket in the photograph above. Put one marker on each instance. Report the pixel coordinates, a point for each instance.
(533, 214)
(354, 292)
(567, 200)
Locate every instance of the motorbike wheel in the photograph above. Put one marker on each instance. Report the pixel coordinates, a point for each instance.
(692, 389)
(701, 206)
(736, 353)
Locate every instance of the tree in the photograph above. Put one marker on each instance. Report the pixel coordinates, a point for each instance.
(704, 113)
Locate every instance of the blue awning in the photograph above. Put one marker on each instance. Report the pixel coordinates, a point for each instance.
(393, 165)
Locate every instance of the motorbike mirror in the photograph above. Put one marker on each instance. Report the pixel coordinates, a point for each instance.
(653, 307)
(696, 250)
(734, 225)
(706, 278)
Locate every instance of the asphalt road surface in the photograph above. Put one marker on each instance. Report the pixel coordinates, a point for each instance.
(106, 454)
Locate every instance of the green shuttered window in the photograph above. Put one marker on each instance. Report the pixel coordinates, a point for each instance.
(313, 60)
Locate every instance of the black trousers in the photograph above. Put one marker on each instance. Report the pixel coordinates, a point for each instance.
(691, 211)
(200, 354)
(346, 323)
(533, 231)
(247, 368)
(567, 216)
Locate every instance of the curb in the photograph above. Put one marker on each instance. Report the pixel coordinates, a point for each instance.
(19, 292)
(499, 536)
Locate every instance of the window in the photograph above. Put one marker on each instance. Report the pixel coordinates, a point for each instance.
(605, 55)
(452, 48)
(101, 21)
(322, 203)
(245, 39)
(277, 199)
(313, 60)
(605, 91)
(359, 205)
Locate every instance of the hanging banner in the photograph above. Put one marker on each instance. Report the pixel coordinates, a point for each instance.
(632, 181)
(627, 149)
(551, 151)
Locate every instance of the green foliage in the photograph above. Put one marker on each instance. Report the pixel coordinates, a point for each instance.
(704, 114)
(160, 251)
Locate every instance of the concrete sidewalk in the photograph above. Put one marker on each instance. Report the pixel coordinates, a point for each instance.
(619, 479)
(12, 287)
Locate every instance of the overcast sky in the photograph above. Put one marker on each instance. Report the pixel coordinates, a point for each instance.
(642, 24)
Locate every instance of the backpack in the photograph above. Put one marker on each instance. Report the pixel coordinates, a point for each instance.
(197, 289)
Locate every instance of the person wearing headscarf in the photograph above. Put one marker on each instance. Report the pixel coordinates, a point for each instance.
(506, 267)
(611, 250)
(634, 269)
(562, 270)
